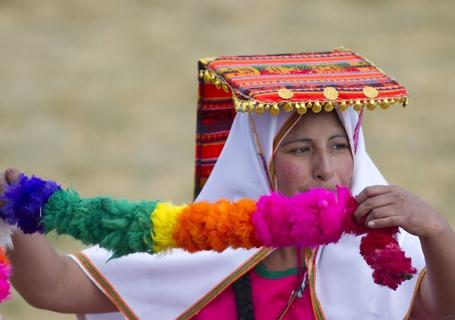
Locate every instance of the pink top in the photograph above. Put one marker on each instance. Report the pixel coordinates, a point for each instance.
(271, 292)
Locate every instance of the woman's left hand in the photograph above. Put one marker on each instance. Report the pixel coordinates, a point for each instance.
(389, 206)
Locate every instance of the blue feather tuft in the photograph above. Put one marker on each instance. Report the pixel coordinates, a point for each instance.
(24, 202)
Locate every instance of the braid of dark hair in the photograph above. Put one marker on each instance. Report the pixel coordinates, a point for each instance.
(244, 298)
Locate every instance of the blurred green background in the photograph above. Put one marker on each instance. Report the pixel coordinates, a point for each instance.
(101, 95)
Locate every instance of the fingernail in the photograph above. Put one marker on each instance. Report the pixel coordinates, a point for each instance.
(371, 224)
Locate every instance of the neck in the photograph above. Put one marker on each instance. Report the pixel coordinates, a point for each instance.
(282, 259)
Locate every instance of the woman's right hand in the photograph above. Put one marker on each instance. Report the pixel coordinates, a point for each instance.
(8, 177)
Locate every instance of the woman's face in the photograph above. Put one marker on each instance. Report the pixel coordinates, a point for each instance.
(316, 153)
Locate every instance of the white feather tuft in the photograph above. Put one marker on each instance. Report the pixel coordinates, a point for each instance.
(5, 234)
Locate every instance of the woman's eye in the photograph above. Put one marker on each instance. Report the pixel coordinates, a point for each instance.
(340, 146)
(300, 150)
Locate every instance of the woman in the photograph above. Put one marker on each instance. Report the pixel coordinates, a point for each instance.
(289, 153)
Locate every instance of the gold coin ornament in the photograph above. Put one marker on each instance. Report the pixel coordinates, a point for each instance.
(260, 108)
(316, 107)
(301, 109)
(343, 106)
(225, 87)
(285, 93)
(207, 60)
(330, 93)
(405, 101)
(274, 110)
(288, 107)
(328, 107)
(358, 105)
(370, 92)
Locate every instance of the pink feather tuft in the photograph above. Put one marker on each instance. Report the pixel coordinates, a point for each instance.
(5, 272)
(306, 220)
(383, 254)
(271, 220)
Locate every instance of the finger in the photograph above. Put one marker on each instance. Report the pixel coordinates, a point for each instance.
(379, 213)
(3, 185)
(369, 204)
(392, 221)
(3, 182)
(12, 175)
(371, 191)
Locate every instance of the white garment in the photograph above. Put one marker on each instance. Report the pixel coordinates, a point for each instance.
(157, 287)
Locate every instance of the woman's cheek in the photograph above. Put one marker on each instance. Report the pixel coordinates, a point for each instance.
(290, 176)
(345, 170)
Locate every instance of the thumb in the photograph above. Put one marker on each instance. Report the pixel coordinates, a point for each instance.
(12, 175)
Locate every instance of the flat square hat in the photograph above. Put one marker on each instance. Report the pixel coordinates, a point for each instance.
(274, 83)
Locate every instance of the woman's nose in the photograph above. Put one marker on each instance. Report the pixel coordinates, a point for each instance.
(323, 167)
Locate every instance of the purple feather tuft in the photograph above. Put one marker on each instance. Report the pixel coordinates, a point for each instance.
(24, 202)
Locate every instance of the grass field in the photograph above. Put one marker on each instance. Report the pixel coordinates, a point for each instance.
(101, 95)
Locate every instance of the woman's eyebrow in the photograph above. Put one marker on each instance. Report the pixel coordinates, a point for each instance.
(297, 139)
(340, 135)
(284, 143)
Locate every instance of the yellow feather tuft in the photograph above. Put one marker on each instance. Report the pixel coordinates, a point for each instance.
(164, 219)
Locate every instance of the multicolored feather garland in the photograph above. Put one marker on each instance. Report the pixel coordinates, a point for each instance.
(309, 219)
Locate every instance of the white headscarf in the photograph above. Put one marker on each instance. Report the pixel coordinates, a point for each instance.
(240, 171)
(167, 286)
